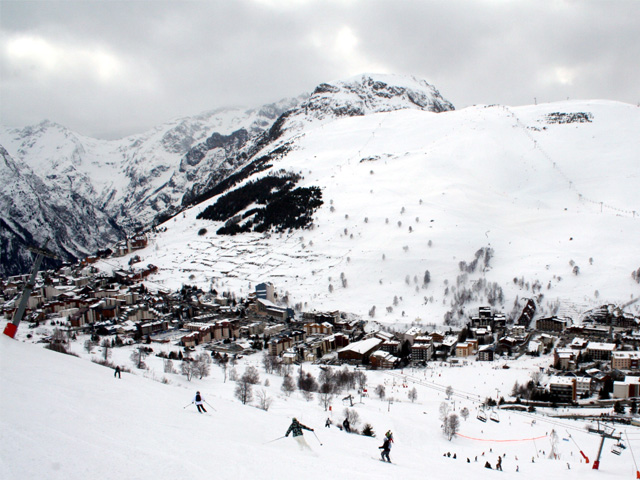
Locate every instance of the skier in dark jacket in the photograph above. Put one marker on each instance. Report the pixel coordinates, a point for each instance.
(386, 446)
(296, 430)
(346, 425)
(117, 371)
(199, 400)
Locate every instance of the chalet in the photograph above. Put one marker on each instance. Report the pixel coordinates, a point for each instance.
(412, 334)
(578, 343)
(625, 360)
(564, 358)
(324, 328)
(357, 352)
(486, 353)
(628, 388)
(284, 341)
(552, 324)
(463, 349)
(320, 317)
(137, 242)
(390, 346)
(562, 389)
(267, 308)
(421, 351)
(600, 351)
(148, 328)
(584, 386)
(383, 360)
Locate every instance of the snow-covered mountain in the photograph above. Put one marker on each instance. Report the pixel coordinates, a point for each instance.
(411, 210)
(137, 180)
(92, 192)
(416, 216)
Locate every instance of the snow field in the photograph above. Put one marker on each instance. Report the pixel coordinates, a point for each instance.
(65, 417)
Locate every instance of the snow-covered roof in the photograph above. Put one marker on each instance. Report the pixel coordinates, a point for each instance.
(362, 346)
(601, 346)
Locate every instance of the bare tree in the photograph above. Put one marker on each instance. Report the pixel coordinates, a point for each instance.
(413, 394)
(106, 349)
(449, 392)
(202, 365)
(138, 356)
(325, 395)
(188, 368)
(168, 366)
(464, 413)
(450, 426)
(380, 391)
(251, 375)
(288, 385)
(264, 401)
(88, 346)
(444, 411)
(244, 390)
(352, 416)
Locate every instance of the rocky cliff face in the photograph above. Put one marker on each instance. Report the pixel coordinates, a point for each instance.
(86, 193)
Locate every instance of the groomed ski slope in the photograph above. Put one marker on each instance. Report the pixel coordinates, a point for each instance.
(63, 417)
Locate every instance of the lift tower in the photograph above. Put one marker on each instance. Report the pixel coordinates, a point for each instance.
(11, 328)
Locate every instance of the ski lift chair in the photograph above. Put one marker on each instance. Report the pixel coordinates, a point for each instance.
(482, 416)
(616, 450)
(494, 417)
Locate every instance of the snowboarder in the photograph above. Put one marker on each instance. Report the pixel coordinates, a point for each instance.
(199, 400)
(346, 425)
(296, 430)
(117, 371)
(386, 446)
(499, 464)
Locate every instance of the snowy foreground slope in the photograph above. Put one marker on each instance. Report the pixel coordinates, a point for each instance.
(63, 417)
(549, 188)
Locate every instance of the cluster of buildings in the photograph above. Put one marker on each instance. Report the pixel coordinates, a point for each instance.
(120, 304)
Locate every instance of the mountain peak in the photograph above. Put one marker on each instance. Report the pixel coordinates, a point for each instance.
(372, 93)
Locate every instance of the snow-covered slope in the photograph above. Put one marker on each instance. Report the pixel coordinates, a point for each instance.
(124, 183)
(63, 417)
(544, 189)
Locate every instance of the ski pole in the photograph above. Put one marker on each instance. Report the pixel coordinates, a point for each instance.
(187, 405)
(211, 406)
(270, 441)
(314, 433)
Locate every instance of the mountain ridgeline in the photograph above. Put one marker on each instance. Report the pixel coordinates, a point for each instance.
(85, 194)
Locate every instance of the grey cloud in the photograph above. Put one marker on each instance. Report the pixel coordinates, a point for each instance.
(186, 57)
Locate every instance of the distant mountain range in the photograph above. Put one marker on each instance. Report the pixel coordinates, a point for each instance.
(371, 194)
(85, 194)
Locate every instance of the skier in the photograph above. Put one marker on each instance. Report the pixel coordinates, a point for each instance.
(327, 423)
(346, 426)
(386, 446)
(296, 429)
(116, 373)
(499, 464)
(199, 400)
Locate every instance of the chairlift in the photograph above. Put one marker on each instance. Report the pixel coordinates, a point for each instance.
(494, 417)
(482, 416)
(616, 450)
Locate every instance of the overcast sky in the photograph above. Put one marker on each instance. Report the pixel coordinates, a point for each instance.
(112, 68)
